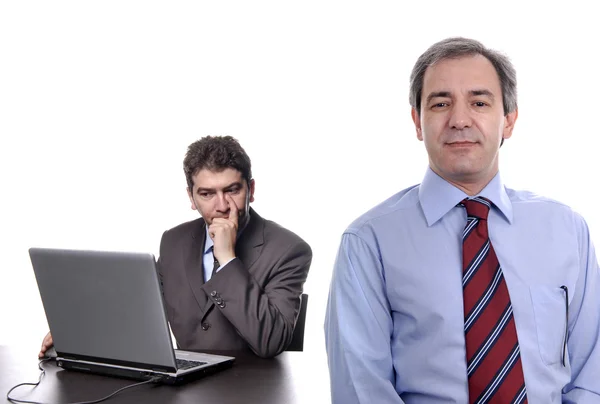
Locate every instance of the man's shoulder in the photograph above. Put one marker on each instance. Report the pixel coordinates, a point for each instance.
(186, 228)
(530, 205)
(398, 205)
(531, 201)
(275, 233)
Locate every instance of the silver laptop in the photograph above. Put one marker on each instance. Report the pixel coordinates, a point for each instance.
(106, 314)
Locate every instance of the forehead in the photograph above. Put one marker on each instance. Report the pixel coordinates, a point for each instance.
(461, 75)
(216, 179)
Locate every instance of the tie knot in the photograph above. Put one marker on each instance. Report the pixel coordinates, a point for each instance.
(477, 207)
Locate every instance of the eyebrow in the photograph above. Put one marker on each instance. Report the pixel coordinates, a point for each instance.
(438, 94)
(484, 92)
(447, 94)
(226, 188)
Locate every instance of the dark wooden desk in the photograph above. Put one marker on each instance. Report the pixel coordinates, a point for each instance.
(290, 378)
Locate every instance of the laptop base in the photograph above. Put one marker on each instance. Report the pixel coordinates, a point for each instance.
(142, 374)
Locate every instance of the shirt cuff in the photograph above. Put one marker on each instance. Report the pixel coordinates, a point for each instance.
(223, 266)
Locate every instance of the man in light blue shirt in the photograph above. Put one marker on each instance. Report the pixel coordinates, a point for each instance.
(395, 322)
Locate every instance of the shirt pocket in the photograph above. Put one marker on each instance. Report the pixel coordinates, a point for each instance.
(550, 312)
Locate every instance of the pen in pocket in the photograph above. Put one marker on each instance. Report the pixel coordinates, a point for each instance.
(564, 351)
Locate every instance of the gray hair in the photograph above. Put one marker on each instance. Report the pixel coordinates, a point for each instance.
(457, 47)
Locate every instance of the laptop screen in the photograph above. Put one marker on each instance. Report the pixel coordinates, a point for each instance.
(104, 306)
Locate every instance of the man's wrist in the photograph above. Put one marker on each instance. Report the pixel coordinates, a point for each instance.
(222, 265)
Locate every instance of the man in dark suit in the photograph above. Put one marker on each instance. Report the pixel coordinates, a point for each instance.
(231, 279)
(252, 298)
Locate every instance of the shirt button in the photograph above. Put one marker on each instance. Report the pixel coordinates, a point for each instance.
(222, 305)
(213, 293)
(205, 326)
(219, 300)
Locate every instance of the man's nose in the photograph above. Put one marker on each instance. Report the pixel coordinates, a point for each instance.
(221, 203)
(460, 117)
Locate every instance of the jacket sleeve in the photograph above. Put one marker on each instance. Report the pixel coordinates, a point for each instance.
(263, 314)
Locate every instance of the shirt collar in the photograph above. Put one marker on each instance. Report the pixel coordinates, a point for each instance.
(208, 243)
(438, 196)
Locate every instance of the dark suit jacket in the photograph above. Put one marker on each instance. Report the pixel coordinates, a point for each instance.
(252, 302)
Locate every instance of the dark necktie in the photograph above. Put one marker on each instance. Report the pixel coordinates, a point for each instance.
(493, 359)
(215, 264)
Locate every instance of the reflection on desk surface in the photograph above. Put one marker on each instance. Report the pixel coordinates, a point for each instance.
(290, 378)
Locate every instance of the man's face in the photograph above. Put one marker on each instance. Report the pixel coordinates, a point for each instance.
(210, 188)
(462, 119)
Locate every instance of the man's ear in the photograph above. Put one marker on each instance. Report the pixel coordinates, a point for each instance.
(191, 199)
(251, 187)
(417, 121)
(509, 124)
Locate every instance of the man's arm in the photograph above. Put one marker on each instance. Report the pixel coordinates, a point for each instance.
(358, 328)
(584, 326)
(264, 314)
(265, 318)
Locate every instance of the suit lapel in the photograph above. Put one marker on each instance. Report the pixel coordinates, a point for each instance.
(194, 265)
(250, 243)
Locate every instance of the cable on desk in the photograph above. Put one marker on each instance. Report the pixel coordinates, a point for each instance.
(43, 372)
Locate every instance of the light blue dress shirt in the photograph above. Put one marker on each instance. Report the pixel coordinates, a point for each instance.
(208, 258)
(394, 322)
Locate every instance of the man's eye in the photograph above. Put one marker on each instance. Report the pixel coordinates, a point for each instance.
(205, 195)
(440, 105)
(234, 191)
(480, 104)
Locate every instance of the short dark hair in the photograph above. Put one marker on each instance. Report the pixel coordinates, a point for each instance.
(216, 153)
(458, 47)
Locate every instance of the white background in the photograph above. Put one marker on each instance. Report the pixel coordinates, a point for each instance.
(99, 100)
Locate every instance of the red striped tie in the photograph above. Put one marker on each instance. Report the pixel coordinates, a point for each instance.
(493, 359)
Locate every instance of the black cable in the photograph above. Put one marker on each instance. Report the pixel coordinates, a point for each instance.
(30, 384)
(15, 400)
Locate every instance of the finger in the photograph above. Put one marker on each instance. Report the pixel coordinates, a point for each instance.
(48, 340)
(222, 223)
(218, 226)
(46, 344)
(233, 209)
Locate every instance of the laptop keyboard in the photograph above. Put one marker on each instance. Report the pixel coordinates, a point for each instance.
(182, 364)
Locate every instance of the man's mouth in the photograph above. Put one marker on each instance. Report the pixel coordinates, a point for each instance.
(461, 143)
